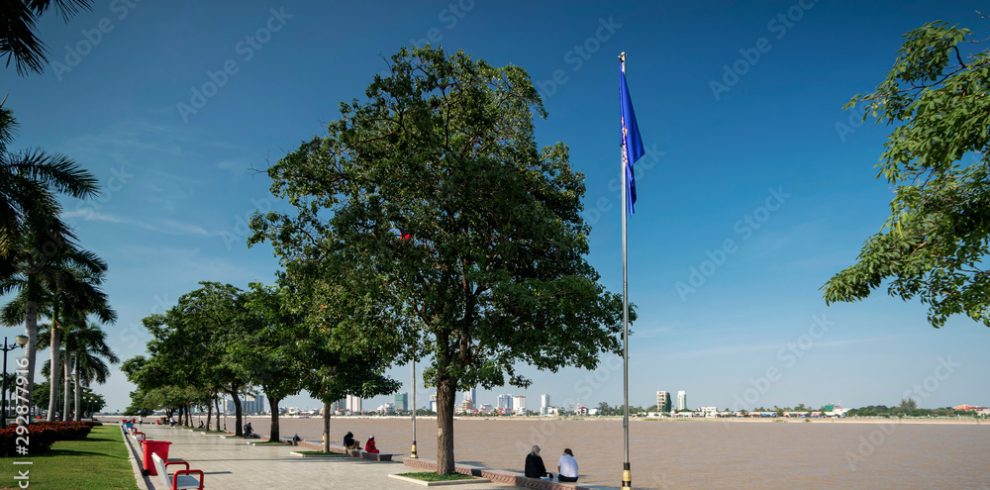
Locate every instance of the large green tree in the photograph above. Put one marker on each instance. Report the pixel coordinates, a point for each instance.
(349, 338)
(433, 195)
(270, 350)
(201, 333)
(933, 247)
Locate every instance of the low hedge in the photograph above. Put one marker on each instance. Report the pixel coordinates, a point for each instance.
(41, 436)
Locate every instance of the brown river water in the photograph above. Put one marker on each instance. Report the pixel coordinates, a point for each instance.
(700, 453)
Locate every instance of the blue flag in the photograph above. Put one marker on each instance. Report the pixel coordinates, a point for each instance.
(632, 143)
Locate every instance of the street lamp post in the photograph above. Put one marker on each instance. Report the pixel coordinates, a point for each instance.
(19, 341)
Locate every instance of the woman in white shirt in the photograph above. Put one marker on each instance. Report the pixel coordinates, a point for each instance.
(567, 467)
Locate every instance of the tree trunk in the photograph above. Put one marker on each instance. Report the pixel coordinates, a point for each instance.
(273, 433)
(446, 391)
(326, 427)
(66, 397)
(78, 393)
(55, 346)
(238, 430)
(216, 400)
(31, 352)
(209, 414)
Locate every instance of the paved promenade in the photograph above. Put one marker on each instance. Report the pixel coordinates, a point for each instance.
(233, 464)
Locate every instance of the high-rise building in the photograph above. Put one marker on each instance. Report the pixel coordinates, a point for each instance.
(544, 403)
(505, 403)
(471, 396)
(401, 402)
(354, 405)
(663, 401)
(250, 405)
(682, 400)
(519, 404)
(433, 403)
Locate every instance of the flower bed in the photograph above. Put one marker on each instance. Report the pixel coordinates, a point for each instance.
(41, 435)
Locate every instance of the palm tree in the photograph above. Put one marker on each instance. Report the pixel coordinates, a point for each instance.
(34, 241)
(17, 37)
(87, 346)
(63, 281)
(30, 181)
(77, 296)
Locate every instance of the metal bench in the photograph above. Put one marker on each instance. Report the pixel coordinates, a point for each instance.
(359, 453)
(376, 456)
(181, 479)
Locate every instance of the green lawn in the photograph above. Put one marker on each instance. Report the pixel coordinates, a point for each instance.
(432, 476)
(321, 454)
(100, 462)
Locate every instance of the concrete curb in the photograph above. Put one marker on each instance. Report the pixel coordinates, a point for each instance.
(497, 476)
(136, 463)
(466, 481)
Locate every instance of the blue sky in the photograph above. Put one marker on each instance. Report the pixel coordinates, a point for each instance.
(756, 188)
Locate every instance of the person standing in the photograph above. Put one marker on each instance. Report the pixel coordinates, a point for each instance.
(567, 467)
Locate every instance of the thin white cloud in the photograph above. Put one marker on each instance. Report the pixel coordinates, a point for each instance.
(731, 349)
(87, 214)
(168, 227)
(184, 228)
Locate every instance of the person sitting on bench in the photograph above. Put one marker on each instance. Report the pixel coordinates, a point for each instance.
(249, 432)
(534, 465)
(296, 439)
(350, 442)
(567, 467)
(369, 447)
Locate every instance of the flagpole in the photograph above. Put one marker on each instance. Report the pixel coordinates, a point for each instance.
(412, 453)
(626, 468)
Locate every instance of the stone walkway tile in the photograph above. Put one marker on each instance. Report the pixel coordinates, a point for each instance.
(233, 464)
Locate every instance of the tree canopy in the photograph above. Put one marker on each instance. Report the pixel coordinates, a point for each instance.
(933, 247)
(431, 199)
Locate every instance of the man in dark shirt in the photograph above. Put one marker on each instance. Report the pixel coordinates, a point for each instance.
(534, 464)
